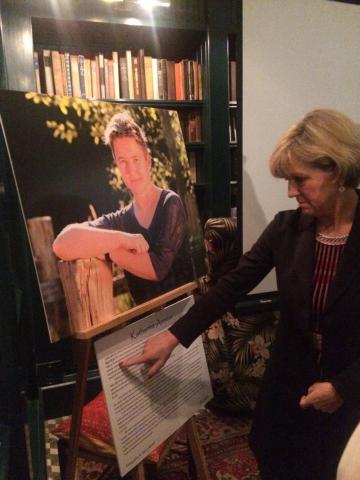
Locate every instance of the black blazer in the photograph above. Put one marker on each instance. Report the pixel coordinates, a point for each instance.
(288, 244)
(281, 428)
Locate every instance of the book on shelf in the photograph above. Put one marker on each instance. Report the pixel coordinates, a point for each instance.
(127, 76)
(154, 64)
(48, 74)
(88, 79)
(81, 67)
(170, 78)
(37, 71)
(57, 72)
(124, 81)
(102, 75)
(190, 80)
(75, 77)
(63, 73)
(178, 82)
(106, 77)
(200, 81)
(67, 61)
(136, 78)
(115, 60)
(141, 67)
(95, 77)
(129, 70)
(149, 85)
(111, 91)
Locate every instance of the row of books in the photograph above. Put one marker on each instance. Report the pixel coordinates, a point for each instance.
(129, 76)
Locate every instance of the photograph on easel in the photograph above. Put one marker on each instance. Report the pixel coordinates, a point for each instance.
(109, 205)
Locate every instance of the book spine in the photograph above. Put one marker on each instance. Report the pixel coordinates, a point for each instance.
(56, 67)
(149, 78)
(164, 75)
(154, 65)
(81, 66)
(49, 82)
(111, 92)
(172, 76)
(185, 78)
(190, 73)
(129, 68)
(115, 57)
(37, 71)
(63, 73)
(88, 80)
(141, 67)
(94, 79)
(75, 75)
(106, 76)
(124, 81)
(98, 75)
(102, 75)
(136, 78)
(196, 80)
(178, 81)
(67, 60)
(160, 79)
(182, 81)
(200, 78)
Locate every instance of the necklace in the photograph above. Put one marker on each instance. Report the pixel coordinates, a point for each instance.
(332, 239)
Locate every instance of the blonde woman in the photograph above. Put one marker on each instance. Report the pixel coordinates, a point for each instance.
(309, 402)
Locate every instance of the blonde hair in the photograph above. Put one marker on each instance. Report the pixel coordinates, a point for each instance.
(123, 125)
(324, 139)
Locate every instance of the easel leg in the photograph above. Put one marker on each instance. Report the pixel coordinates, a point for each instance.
(138, 473)
(197, 450)
(82, 350)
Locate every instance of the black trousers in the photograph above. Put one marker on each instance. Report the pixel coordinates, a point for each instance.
(304, 446)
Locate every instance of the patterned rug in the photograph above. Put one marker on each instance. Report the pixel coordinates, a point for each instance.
(225, 443)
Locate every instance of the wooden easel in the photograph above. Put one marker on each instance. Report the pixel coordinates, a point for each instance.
(83, 342)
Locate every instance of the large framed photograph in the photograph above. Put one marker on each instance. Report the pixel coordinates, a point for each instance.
(107, 198)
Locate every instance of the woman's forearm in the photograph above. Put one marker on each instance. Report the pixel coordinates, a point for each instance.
(80, 240)
(138, 264)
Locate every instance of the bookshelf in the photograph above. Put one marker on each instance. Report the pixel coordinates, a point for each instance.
(195, 29)
(234, 125)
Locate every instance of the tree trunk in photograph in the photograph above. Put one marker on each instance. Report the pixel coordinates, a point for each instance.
(88, 287)
(41, 235)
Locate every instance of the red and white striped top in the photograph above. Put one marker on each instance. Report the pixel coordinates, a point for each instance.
(327, 254)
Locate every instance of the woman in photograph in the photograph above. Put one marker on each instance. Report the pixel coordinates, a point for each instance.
(309, 402)
(148, 238)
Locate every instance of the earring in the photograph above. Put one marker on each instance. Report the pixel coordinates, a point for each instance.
(341, 189)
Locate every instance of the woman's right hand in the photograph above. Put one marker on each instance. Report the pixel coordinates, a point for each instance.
(157, 350)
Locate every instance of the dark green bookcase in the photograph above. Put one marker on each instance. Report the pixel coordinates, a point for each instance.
(207, 30)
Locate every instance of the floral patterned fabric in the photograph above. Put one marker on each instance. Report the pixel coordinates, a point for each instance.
(237, 348)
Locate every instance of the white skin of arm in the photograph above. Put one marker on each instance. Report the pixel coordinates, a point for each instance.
(80, 240)
(138, 264)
